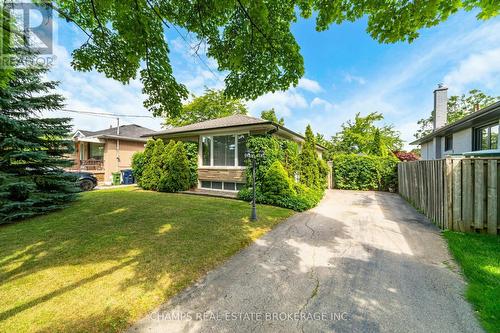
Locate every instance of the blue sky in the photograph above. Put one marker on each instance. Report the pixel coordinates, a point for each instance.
(346, 72)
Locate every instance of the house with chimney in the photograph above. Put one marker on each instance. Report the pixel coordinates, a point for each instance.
(106, 151)
(473, 135)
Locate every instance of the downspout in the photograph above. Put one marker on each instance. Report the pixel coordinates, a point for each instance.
(118, 144)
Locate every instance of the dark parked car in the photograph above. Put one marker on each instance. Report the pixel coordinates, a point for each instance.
(86, 180)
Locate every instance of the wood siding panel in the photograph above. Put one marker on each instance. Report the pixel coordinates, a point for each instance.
(229, 175)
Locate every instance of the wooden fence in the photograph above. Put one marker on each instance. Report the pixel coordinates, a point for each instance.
(459, 194)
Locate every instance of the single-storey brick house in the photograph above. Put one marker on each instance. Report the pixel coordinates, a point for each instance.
(474, 135)
(222, 146)
(107, 151)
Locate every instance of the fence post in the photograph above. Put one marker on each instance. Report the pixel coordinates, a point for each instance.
(457, 195)
(479, 194)
(492, 197)
(331, 179)
(468, 195)
(448, 196)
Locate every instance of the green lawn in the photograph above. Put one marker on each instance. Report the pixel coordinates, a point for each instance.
(479, 257)
(114, 255)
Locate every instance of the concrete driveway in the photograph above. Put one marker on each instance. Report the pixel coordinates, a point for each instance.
(359, 262)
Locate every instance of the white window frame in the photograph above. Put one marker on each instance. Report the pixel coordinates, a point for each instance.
(212, 166)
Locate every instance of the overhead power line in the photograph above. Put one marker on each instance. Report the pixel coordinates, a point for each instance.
(113, 115)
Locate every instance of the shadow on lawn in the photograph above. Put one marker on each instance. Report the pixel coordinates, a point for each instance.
(316, 264)
(155, 235)
(337, 265)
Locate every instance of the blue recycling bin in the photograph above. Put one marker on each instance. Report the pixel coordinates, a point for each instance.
(127, 177)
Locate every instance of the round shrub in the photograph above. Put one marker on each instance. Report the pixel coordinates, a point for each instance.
(165, 167)
(277, 183)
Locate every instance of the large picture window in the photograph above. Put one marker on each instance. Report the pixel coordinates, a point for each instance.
(223, 150)
(487, 137)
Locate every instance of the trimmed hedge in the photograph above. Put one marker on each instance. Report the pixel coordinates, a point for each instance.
(364, 172)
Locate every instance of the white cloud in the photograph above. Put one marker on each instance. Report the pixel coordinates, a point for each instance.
(282, 101)
(349, 78)
(94, 92)
(309, 85)
(483, 67)
(319, 103)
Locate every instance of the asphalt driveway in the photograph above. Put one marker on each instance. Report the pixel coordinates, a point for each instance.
(359, 262)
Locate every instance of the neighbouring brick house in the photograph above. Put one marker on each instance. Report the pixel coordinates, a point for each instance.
(106, 151)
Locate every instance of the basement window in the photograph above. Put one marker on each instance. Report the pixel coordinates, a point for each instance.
(226, 186)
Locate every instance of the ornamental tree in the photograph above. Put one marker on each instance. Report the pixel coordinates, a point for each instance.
(309, 173)
(33, 148)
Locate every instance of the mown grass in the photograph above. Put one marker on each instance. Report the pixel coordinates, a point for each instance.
(115, 255)
(479, 257)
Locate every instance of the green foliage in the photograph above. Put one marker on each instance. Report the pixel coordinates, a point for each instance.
(33, 149)
(271, 146)
(82, 256)
(175, 174)
(164, 167)
(309, 173)
(6, 42)
(301, 199)
(479, 258)
(151, 175)
(378, 147)
(213, 104)
(458, 107)
(192, 156)
(271, 116)
(291, 157)
(358, 172)
(250, 40)
(323, 170)
(320, 140)
(138, 164)
(277, 183)
(362, 136)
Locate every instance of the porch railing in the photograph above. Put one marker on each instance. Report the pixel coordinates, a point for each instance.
(90, 165)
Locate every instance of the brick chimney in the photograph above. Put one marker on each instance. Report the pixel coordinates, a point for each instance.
(440, 106)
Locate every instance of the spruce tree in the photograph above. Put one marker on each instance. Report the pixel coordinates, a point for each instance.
(33, 149)
(309, 173)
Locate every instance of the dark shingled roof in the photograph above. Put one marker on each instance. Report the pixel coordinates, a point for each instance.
(230, 121)
(226, 122)
(126, 131)
(86, 133)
